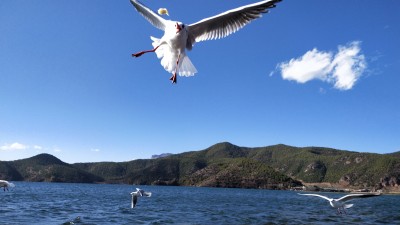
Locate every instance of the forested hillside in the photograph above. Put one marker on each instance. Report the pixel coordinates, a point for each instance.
(224, 165)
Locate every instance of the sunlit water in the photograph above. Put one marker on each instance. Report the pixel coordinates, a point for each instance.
(58, 203)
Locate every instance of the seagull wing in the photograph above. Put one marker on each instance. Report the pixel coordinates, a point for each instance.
(151, 16)
(4, 183)
(139, 192)
(351, 196)
(134, 201)
(321, 196)
(229, 22)
(147, 194)
(11, 184)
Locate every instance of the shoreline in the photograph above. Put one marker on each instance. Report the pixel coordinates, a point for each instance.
(336, 187)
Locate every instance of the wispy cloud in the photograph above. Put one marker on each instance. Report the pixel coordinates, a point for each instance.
(95, 150)
(17, 146)
(342, 69)
(13, 147)
(37, 147)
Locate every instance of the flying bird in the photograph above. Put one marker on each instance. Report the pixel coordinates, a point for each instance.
(5, 184)
(178, 36)
(340, 203)
(138, 193)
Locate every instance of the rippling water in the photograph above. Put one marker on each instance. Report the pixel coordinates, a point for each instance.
(58, 203)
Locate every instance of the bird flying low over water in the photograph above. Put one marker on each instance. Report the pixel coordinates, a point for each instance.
(138, 193)
(178, 36)
(5, 184)
(340, 203)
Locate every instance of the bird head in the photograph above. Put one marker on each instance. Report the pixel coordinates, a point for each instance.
(179, 27)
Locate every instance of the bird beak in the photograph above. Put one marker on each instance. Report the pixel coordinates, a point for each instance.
(178, 28)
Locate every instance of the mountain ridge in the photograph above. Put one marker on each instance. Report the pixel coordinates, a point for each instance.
(224, 165)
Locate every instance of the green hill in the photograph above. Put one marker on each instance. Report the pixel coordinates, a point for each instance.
(308, 164)
(313, 164)
(45, 167)
(9, 172)
(224, 165)
(395, 154)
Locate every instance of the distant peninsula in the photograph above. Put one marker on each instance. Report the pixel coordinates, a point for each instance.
(279, 167)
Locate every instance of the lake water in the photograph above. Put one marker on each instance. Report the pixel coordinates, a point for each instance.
(60, 203)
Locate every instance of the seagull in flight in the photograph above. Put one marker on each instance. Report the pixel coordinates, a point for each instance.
(178, 36)
(5, 184)
(138, 193)
(340, 203)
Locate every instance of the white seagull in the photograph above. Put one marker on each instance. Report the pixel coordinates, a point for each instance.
(178, 37)
(5, 184)
(138, 193)
(340, 203)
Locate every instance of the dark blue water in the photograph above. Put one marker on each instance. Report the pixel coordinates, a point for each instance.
(57, 203)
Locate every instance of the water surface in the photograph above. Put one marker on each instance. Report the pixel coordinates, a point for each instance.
(61, 203)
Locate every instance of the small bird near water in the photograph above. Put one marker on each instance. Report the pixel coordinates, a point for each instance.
(178, 36)
(5, 184)
(138, 193)
(340, 203)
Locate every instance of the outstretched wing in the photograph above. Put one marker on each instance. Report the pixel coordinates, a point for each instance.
(134, 201)
(321, 196)
(11, 184)
(351, 196)
(229, 22)
(151, 16)
(147, 194)
(4, 183)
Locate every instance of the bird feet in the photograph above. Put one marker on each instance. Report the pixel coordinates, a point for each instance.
(142, 52)
(138, 54)
(173, 78)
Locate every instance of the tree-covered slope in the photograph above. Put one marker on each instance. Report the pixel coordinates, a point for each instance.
(223, 165)
(315, 164)
(45, 167)
(309, 164)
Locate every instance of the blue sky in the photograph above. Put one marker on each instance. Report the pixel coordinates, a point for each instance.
(309, 73)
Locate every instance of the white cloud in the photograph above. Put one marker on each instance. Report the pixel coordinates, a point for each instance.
(37, 147)
(348, 66)
(95, 150)
(342, 69)
(312, 65)
(271, 73)
(14, 146)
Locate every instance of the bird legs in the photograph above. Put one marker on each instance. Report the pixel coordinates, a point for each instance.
(340, 211)
(173, 78)
(142, 52)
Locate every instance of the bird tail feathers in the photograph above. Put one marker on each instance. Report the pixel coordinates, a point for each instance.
(346, 206)
(169, 58)
(186, 67)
